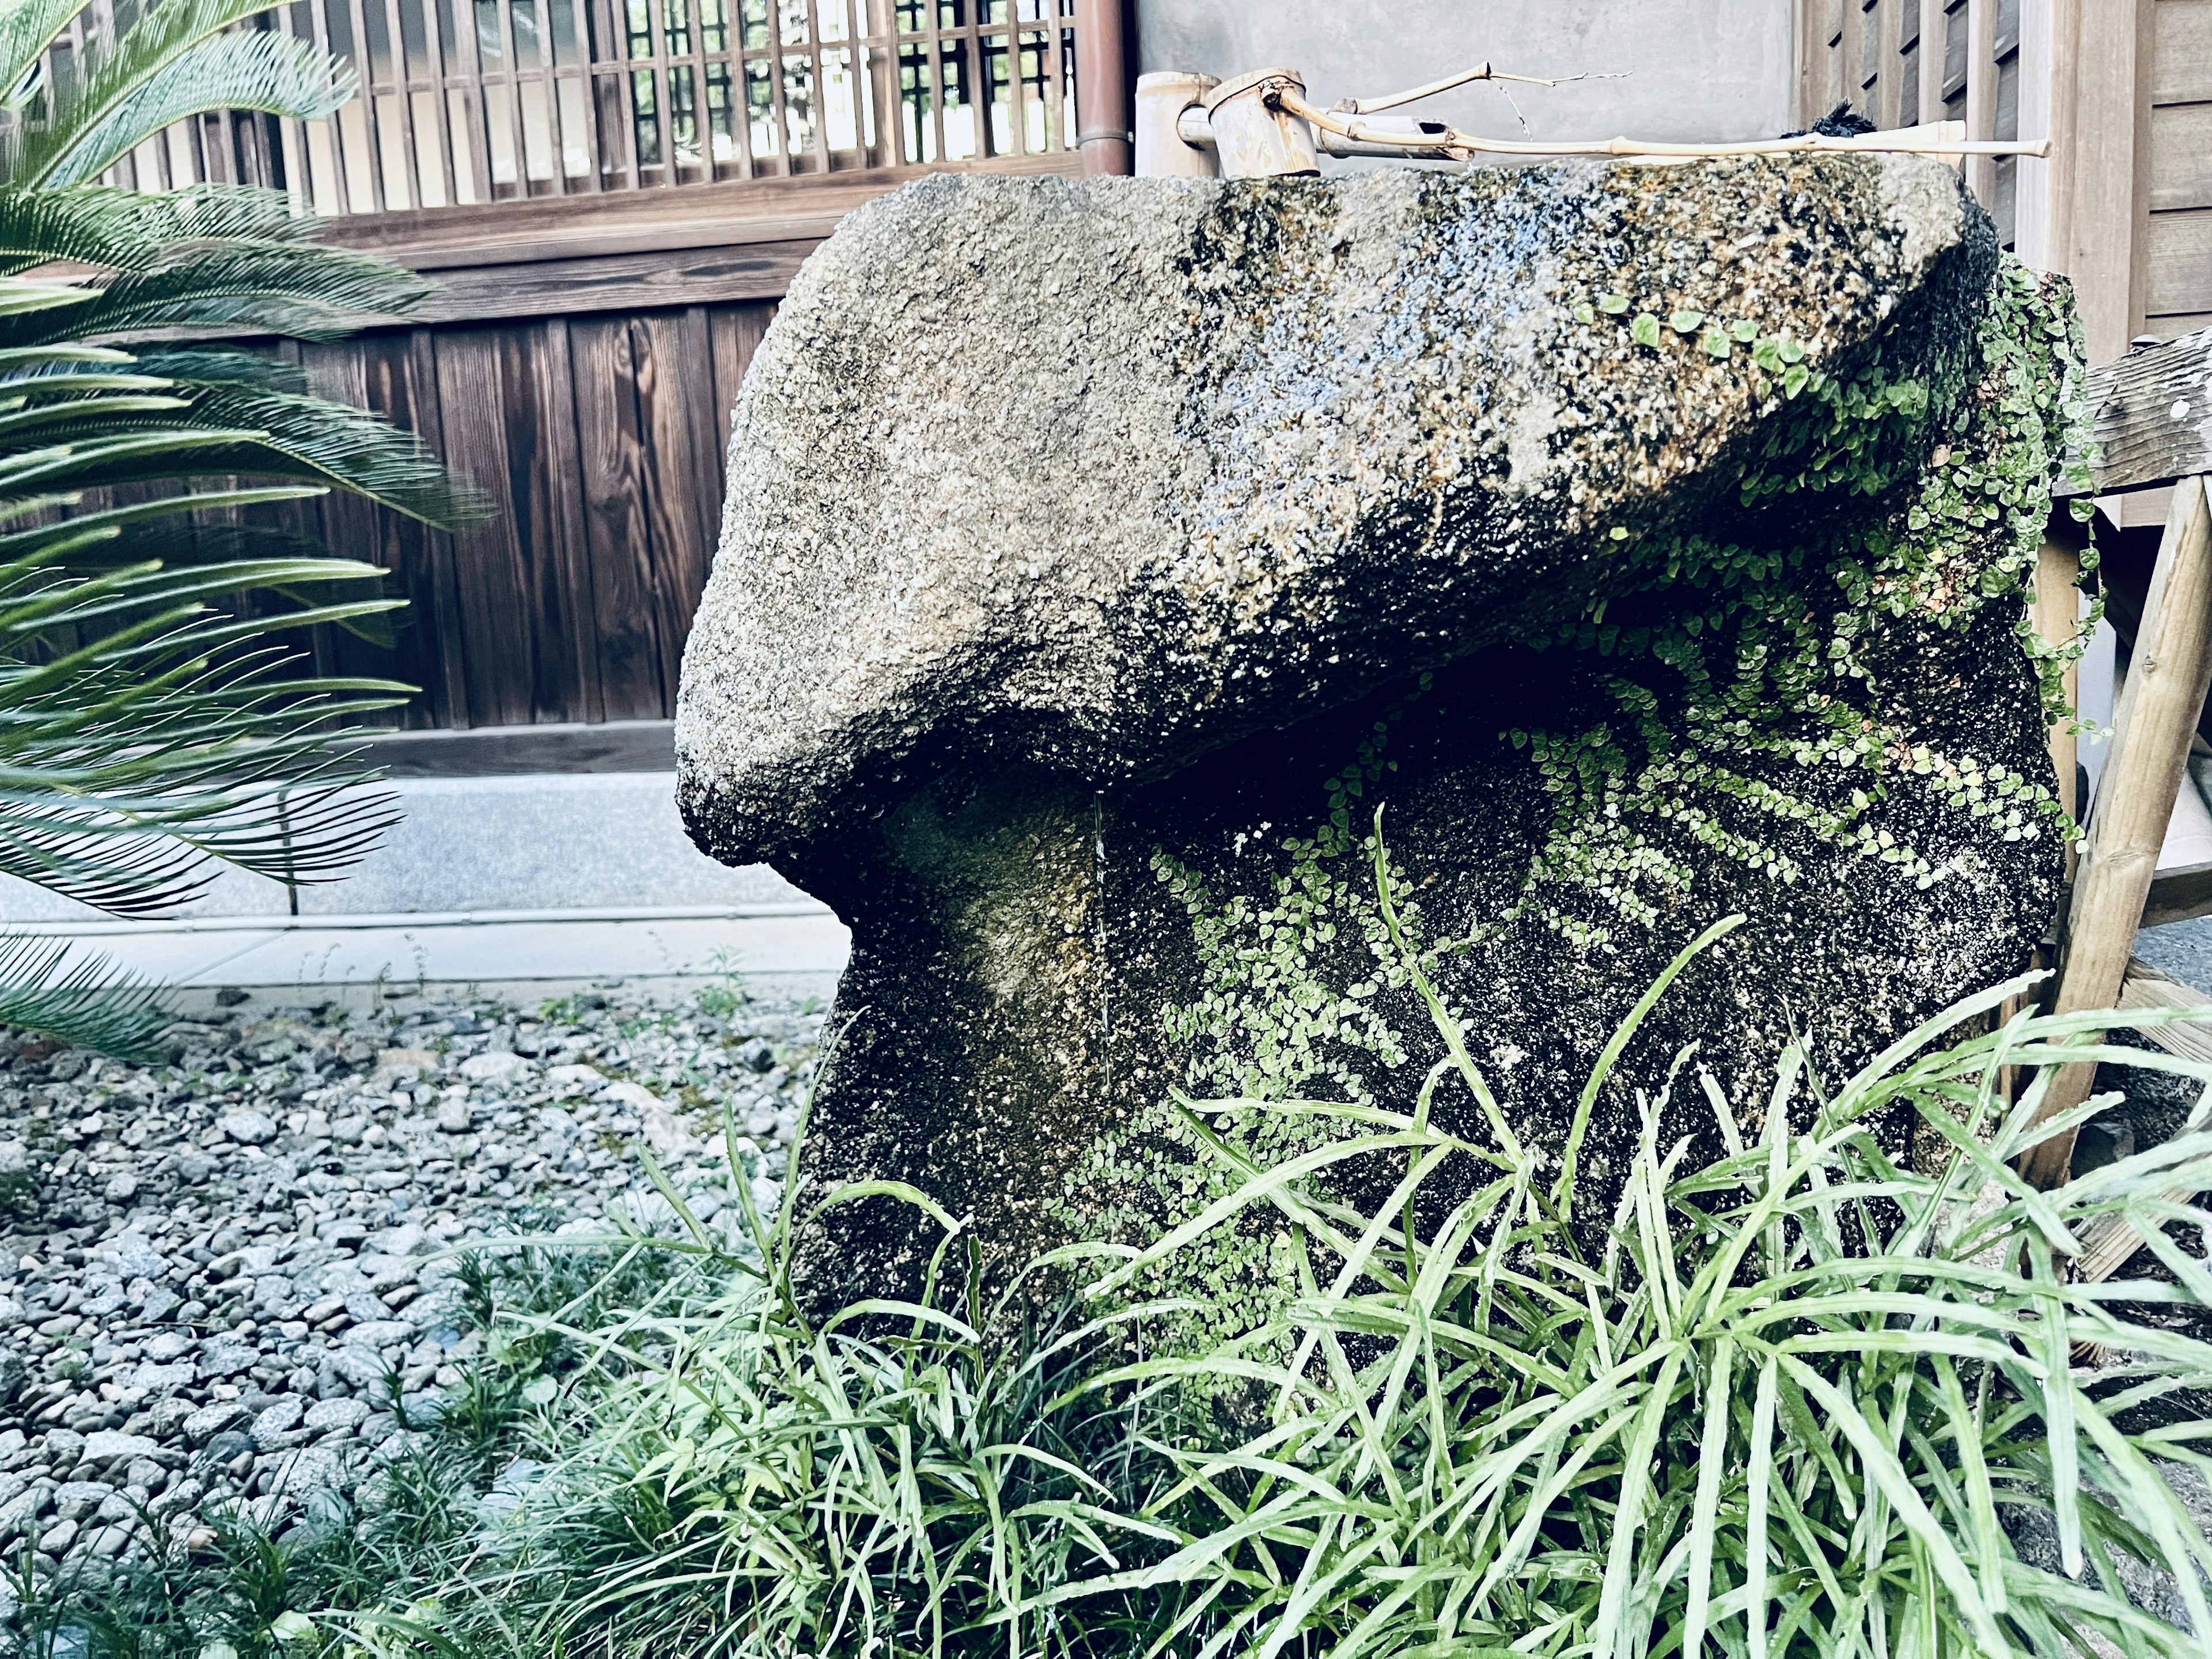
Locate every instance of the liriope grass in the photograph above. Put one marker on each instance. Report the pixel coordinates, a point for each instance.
(1800, 1400)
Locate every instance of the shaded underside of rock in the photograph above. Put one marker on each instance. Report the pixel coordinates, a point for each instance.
(1036, 969)
(1100, 476)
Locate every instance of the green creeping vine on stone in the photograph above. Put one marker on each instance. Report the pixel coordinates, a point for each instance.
(1268, 1023)
(1778, 355)
(1768, 671)
(1292, 983)
(1771, 675)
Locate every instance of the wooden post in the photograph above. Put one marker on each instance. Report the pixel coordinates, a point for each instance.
(1982, 95)
(2167, 685)
(2057, 618)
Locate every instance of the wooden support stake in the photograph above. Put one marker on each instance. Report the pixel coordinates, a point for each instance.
(2107, 1245)
(2166, 686)
(2057, 619)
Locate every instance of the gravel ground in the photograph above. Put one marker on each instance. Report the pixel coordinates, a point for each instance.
(214, 1272)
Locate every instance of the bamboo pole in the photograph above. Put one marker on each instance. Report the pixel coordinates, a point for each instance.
(2057, 619)
(2167, 680)
(1918, 141)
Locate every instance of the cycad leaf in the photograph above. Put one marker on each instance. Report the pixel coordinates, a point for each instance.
(151, 60)
(80, 997)
(211, 256)
(362, 453)
(27, 27)
(305, 292)
(217, 366)
(254, 69)
(125, 230)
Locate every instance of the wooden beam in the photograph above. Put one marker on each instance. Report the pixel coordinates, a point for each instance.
(2153, 416)
(2181, 894)
(804, 208)
(2096, 243)
(2165, 687)
(625, 282)
(2057, 618)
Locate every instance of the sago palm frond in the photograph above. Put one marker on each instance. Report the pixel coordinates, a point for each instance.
(125, 105)
(122, 230)
(175, 541)
(80, 997)
(163, 68)
(187, 432)
(27, 27)
(72, 422)
(150, 733)
(310, 292)
(174, 737)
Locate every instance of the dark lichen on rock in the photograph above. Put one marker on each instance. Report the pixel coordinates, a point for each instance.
(1097, 558)
(1890, 747)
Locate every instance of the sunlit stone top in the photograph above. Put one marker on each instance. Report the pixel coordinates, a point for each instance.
(1105, 475)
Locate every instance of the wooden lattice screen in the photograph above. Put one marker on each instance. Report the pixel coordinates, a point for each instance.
(1900, 62)
(473, 101)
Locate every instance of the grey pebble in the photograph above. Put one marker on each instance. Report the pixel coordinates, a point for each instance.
(77, 1498)
(250, 1128)
(229, 1265)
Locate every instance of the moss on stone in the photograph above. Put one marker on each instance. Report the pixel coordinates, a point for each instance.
(1764, 691)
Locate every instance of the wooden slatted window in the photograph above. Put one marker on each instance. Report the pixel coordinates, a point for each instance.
(1958, 36)
(2004, 170)
(471, 101)
(1906, 62)
(1866, 96)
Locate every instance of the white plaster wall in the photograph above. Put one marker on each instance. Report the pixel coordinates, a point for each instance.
(558, 841)
(1687, 68)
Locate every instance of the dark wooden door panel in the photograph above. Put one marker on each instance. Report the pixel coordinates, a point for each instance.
(599, 439)
(498, 645)
(618, 507)
(394, 374)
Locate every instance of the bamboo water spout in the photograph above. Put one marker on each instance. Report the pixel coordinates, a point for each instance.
(1262, 124)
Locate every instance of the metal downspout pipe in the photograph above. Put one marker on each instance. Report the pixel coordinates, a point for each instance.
(1102, 88)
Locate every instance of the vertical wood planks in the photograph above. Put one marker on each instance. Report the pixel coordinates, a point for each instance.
(681, 395)
(569, 567)
(600, 442)
(542, 527)
(385, 373)
(617, 522)
(736, 333)
(499, 649)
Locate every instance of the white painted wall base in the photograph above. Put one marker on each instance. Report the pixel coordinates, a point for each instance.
(556, 878)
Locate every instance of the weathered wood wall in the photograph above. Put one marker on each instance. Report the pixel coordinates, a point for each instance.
(578, 363)
(600, 439)
(2176, 281)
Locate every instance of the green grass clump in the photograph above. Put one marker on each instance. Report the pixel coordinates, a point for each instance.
(1804, 1400)
(1799, 1401)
